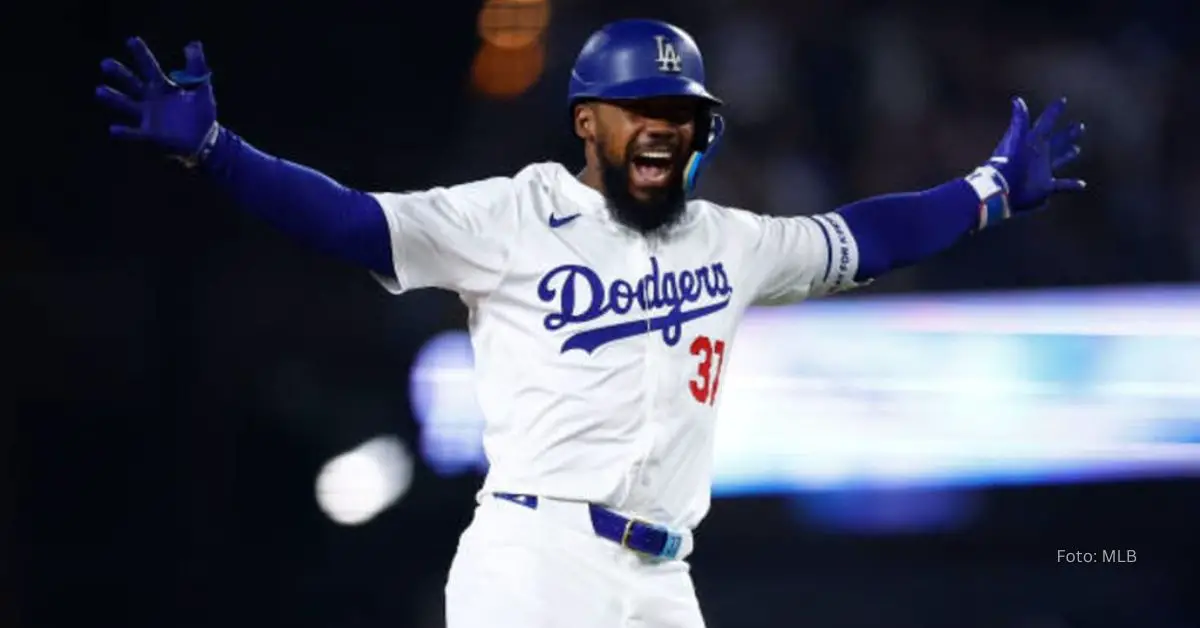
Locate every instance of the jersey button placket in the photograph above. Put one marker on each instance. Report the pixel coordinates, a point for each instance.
(649, 363)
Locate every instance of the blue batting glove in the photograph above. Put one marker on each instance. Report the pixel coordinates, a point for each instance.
(176, 113)
(1025, 160)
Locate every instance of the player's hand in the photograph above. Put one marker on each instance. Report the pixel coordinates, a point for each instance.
(1028, 156)
(176, 113)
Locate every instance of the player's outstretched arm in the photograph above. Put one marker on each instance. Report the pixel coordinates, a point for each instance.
(177, 114)
(897, 230)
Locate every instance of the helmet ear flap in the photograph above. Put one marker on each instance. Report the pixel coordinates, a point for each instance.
(716, 130)
(709, 129)
(703, 130)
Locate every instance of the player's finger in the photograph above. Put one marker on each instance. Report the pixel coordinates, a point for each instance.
(144, 61)
(126, 132)
(1069, 185)
(118, 101)
(1074, 132)
(194, 53)
(1014, 136)
(1020, 115)
(1065, 157)
(122, 77)
(196, 70)
(1045, 122)
(1064, 140)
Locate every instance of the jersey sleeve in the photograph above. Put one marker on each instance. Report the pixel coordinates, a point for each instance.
(801, 257)
(457, 238)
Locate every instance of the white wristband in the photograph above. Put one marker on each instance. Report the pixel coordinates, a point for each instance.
(992, 190)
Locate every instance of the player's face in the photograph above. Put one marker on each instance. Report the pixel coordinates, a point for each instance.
(643, 147)
(651, 138)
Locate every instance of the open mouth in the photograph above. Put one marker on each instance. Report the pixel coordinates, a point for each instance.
(652, 167)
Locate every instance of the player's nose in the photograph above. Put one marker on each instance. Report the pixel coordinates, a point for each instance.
(661, 136)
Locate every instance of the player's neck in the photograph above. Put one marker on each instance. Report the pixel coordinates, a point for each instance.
(591, 177)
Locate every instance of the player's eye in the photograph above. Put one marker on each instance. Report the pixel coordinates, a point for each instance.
(680, 115)
(671, 111)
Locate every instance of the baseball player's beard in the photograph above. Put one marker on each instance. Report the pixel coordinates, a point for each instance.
(662, 208)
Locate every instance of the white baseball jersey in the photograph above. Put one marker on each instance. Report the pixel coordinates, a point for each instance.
(599, 351)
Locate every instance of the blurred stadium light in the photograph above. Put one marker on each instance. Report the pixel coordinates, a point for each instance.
(511, 24)
(357, 485)
(1021, 388)
(512, 56)
(507, 72)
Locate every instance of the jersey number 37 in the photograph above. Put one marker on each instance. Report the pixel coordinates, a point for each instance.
(708, 372)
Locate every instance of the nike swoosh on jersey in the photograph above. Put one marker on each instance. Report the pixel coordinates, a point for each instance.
(556, 222)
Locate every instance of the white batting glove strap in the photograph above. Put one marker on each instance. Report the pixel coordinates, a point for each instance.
(992, 190)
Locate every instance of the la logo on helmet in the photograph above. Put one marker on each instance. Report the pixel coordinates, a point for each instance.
(668, 59)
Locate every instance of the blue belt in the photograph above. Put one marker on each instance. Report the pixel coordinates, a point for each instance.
(640, 536)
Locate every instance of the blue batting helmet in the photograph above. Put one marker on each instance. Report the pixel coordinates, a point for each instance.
(633, 59)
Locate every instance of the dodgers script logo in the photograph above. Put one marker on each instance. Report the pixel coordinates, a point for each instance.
(671, 299)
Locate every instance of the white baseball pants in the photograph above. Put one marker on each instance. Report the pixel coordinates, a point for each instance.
(522, 568)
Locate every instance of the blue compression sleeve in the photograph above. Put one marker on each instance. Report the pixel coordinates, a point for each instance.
(303, 203)
(896, 230)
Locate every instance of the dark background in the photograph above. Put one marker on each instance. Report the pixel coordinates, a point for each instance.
(181, 372)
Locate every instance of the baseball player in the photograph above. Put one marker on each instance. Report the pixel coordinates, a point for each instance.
(603, 305)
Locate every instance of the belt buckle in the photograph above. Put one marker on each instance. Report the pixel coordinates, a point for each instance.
(670, 547)
(629, 523)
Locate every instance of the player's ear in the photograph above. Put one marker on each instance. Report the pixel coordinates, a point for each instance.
(585, 122)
